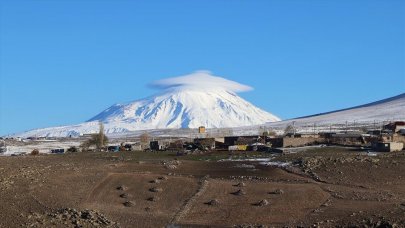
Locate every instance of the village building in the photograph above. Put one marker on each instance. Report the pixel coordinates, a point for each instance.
(395, 127)
(388, 146)
(201, 130)
(295, 141)
(158, 145)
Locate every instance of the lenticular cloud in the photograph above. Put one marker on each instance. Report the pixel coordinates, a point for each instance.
(200, 80)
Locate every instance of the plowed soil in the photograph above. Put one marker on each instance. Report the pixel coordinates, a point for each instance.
(326, 187)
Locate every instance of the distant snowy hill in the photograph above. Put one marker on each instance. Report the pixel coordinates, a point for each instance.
(384, 110)
(190, 101)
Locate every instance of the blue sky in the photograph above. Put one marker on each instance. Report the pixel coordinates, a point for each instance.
(62, 62)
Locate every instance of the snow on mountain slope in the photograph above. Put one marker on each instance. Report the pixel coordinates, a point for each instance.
(384, 110)
(189, 108)
(365, 115)
(198, 99)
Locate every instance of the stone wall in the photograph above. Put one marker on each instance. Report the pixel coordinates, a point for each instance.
(296, 142)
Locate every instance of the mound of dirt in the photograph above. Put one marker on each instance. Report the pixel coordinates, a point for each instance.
(156, 181)
(154, 189)
(213, 202)
(277, 192)
(122, 188)
(152, 199)
(240, 184)
(124, 195)
(240, 192)
(128, 203)
(162, 178)
(262, 203)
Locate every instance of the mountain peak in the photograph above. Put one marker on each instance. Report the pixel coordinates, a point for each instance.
(189, 101)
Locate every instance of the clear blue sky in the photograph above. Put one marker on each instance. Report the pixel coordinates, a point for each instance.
(62, 62)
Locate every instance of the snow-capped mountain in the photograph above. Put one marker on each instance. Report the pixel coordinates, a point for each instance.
(198, 99)
(186, 108)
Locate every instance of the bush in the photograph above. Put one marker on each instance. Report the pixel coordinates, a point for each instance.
(72, 149)
(35, 152)
(289, 130)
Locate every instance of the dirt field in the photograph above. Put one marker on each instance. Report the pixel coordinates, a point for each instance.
(325, 187)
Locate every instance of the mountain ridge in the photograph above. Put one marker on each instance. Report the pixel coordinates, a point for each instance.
(400, 96)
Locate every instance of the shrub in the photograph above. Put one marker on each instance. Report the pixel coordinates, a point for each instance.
(72, 149)
(35, 152)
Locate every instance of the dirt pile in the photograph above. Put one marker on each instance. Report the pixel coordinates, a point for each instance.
(173, 164)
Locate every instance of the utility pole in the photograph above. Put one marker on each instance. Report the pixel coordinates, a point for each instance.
(294, 128)
(346, 127)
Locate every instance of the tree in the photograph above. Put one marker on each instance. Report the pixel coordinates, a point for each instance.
(72, 149)
(271, 133)
(206, 143)
(98, 140)
(145, 138)
(289, 130)
(101, 142)
(35, 152)
(245, 141)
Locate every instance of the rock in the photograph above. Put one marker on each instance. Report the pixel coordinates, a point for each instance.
(86, 215)
(162, 178)
(65, 216)
(171, 164)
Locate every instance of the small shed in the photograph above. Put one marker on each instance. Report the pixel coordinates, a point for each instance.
(201, 130)
(136, 147)
(388, 146)
(158, 145)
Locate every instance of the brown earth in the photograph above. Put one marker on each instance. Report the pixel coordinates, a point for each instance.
(325, 187)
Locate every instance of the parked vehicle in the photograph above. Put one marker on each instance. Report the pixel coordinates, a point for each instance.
(58, 151)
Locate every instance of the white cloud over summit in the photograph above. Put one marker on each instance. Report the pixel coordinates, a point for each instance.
(200, 80)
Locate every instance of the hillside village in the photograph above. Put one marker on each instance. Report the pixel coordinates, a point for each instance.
(389, 138)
